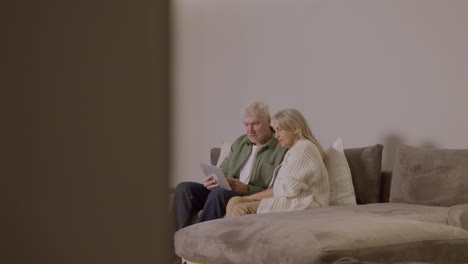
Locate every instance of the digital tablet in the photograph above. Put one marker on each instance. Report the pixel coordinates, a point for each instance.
(218, 174)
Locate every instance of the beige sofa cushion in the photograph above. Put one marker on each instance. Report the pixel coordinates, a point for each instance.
(339, 175)
(428, 176)
(224, 152)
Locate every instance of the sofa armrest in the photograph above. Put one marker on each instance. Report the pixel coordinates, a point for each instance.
(458, 216)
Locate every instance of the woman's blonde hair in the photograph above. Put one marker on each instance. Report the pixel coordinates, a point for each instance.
(290, 119)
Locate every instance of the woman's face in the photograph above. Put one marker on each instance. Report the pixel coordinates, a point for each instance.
(286, 138)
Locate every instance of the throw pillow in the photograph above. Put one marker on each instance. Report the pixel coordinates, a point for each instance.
(427, 176)
(225, 150)
(366, 167)
(339, 175)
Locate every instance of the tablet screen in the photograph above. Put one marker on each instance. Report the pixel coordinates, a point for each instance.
(219, 175)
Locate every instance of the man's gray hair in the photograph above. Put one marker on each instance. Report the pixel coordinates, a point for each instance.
(256, 108)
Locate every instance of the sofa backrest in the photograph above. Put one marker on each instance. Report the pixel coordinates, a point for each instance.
(430, 176)
(366, 167)
(385, 184)
(371, 185)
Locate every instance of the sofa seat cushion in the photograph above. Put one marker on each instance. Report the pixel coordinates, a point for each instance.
(383, 233)
(458, 216)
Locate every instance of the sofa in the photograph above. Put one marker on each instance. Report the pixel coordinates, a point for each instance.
(418, 213)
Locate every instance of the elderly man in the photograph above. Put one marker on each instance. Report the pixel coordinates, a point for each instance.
(248, 169)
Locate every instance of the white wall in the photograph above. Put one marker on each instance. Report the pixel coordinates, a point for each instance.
(385, 72)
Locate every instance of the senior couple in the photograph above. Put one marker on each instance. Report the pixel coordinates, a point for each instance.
(269, 169)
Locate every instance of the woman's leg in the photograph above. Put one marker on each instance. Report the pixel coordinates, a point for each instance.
(238, 206)
(233, 202)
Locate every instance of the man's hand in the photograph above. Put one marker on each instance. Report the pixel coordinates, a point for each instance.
(210, 182)
(238, 186)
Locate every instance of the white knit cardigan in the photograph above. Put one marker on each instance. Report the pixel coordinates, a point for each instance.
(301, 182)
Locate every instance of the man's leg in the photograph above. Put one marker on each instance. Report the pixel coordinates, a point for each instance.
(215, 206)
(190, 197)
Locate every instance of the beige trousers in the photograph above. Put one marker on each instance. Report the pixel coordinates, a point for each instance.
(238, 206)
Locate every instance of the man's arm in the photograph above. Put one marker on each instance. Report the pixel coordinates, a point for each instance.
(245, 189)
(238, 186)
(255, 189)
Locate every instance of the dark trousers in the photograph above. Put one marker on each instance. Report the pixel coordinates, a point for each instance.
(191, 197)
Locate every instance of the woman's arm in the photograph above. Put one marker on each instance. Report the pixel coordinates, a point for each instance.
(261, 195)
(299, 172)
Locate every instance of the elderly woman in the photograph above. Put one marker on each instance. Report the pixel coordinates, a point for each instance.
(301, 180)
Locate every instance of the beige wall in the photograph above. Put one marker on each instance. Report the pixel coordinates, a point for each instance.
(84, 132)
(386, 72)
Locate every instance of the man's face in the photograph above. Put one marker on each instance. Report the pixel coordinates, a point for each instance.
(257, 129)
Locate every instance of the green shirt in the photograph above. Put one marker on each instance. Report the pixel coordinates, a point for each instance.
(268, 157)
